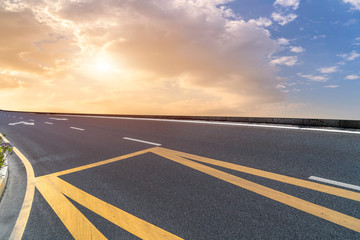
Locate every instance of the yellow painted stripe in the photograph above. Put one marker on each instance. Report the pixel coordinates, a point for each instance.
(99, 163)
(23, 217)
(4, 138)
(77, 224)
(311, 208)
(128, 222)
(273, 176)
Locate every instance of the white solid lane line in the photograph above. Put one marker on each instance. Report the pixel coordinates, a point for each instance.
(80, 129)
(60, 119)
(341, 184)
(226, 123)
(142, 141)
(48, 122)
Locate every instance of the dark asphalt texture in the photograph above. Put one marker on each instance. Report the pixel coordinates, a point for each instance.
(181, 200)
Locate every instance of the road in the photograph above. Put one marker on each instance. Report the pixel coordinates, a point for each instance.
(120, 178)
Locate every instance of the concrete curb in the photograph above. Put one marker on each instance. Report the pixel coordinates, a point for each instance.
(4, 172)
(334, 123)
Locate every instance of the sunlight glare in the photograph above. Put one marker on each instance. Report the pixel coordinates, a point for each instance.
(104, 65)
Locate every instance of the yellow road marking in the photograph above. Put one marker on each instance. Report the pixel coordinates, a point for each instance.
(23, 217)
(314, 209)
(24, 213)
(77, 224)
(76, 169)
(4, 138)
(273, 176)
(53, 188)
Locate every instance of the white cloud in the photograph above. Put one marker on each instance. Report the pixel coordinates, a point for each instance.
(283, 19)
(352, 77)
(285, 60)
(283, 41)
(261, 22)
(297, 49)
(331, 86)
(355, 3)
(350, 56)
(319, 36)
(328, 69)
(357, 41)
(351, 22)
(313, 77)
(294, 4)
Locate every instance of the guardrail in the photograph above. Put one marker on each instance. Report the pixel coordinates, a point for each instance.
(355, 124)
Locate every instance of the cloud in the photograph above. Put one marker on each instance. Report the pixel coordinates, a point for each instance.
(352, 77)
(9, 81)
(351, 21)
(350, 56)
(28, 45)
(315, 78)
(283, 19)
(261, 22)
(285, 60)
(294, 4)
(331, 86)
(283, 41)
(297, 49)
(354, 3)
(161, 57)
(328, 69)
(357, 41)
(315, 37)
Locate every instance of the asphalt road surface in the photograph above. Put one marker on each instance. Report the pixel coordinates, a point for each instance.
(117, 178)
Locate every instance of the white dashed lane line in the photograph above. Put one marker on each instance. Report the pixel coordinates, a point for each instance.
(48, 122)
(80, 129)
(142, 141)
(341, 184)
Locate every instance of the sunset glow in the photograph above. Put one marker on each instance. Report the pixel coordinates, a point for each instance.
(183, 57)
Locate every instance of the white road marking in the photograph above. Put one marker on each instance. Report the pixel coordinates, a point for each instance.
(228, 124)
(21, 123)
(31, 120)
(80, 129)
(142, 141)
(59, 119)
(48, 122)
(341, 184)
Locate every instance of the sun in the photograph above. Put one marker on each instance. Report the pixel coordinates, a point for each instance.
(104, 64)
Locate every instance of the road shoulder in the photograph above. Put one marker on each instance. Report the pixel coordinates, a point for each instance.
(4, 171)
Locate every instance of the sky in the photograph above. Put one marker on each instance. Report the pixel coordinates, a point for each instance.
(254, 58)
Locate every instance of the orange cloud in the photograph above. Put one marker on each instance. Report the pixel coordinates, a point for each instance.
(157, 57)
